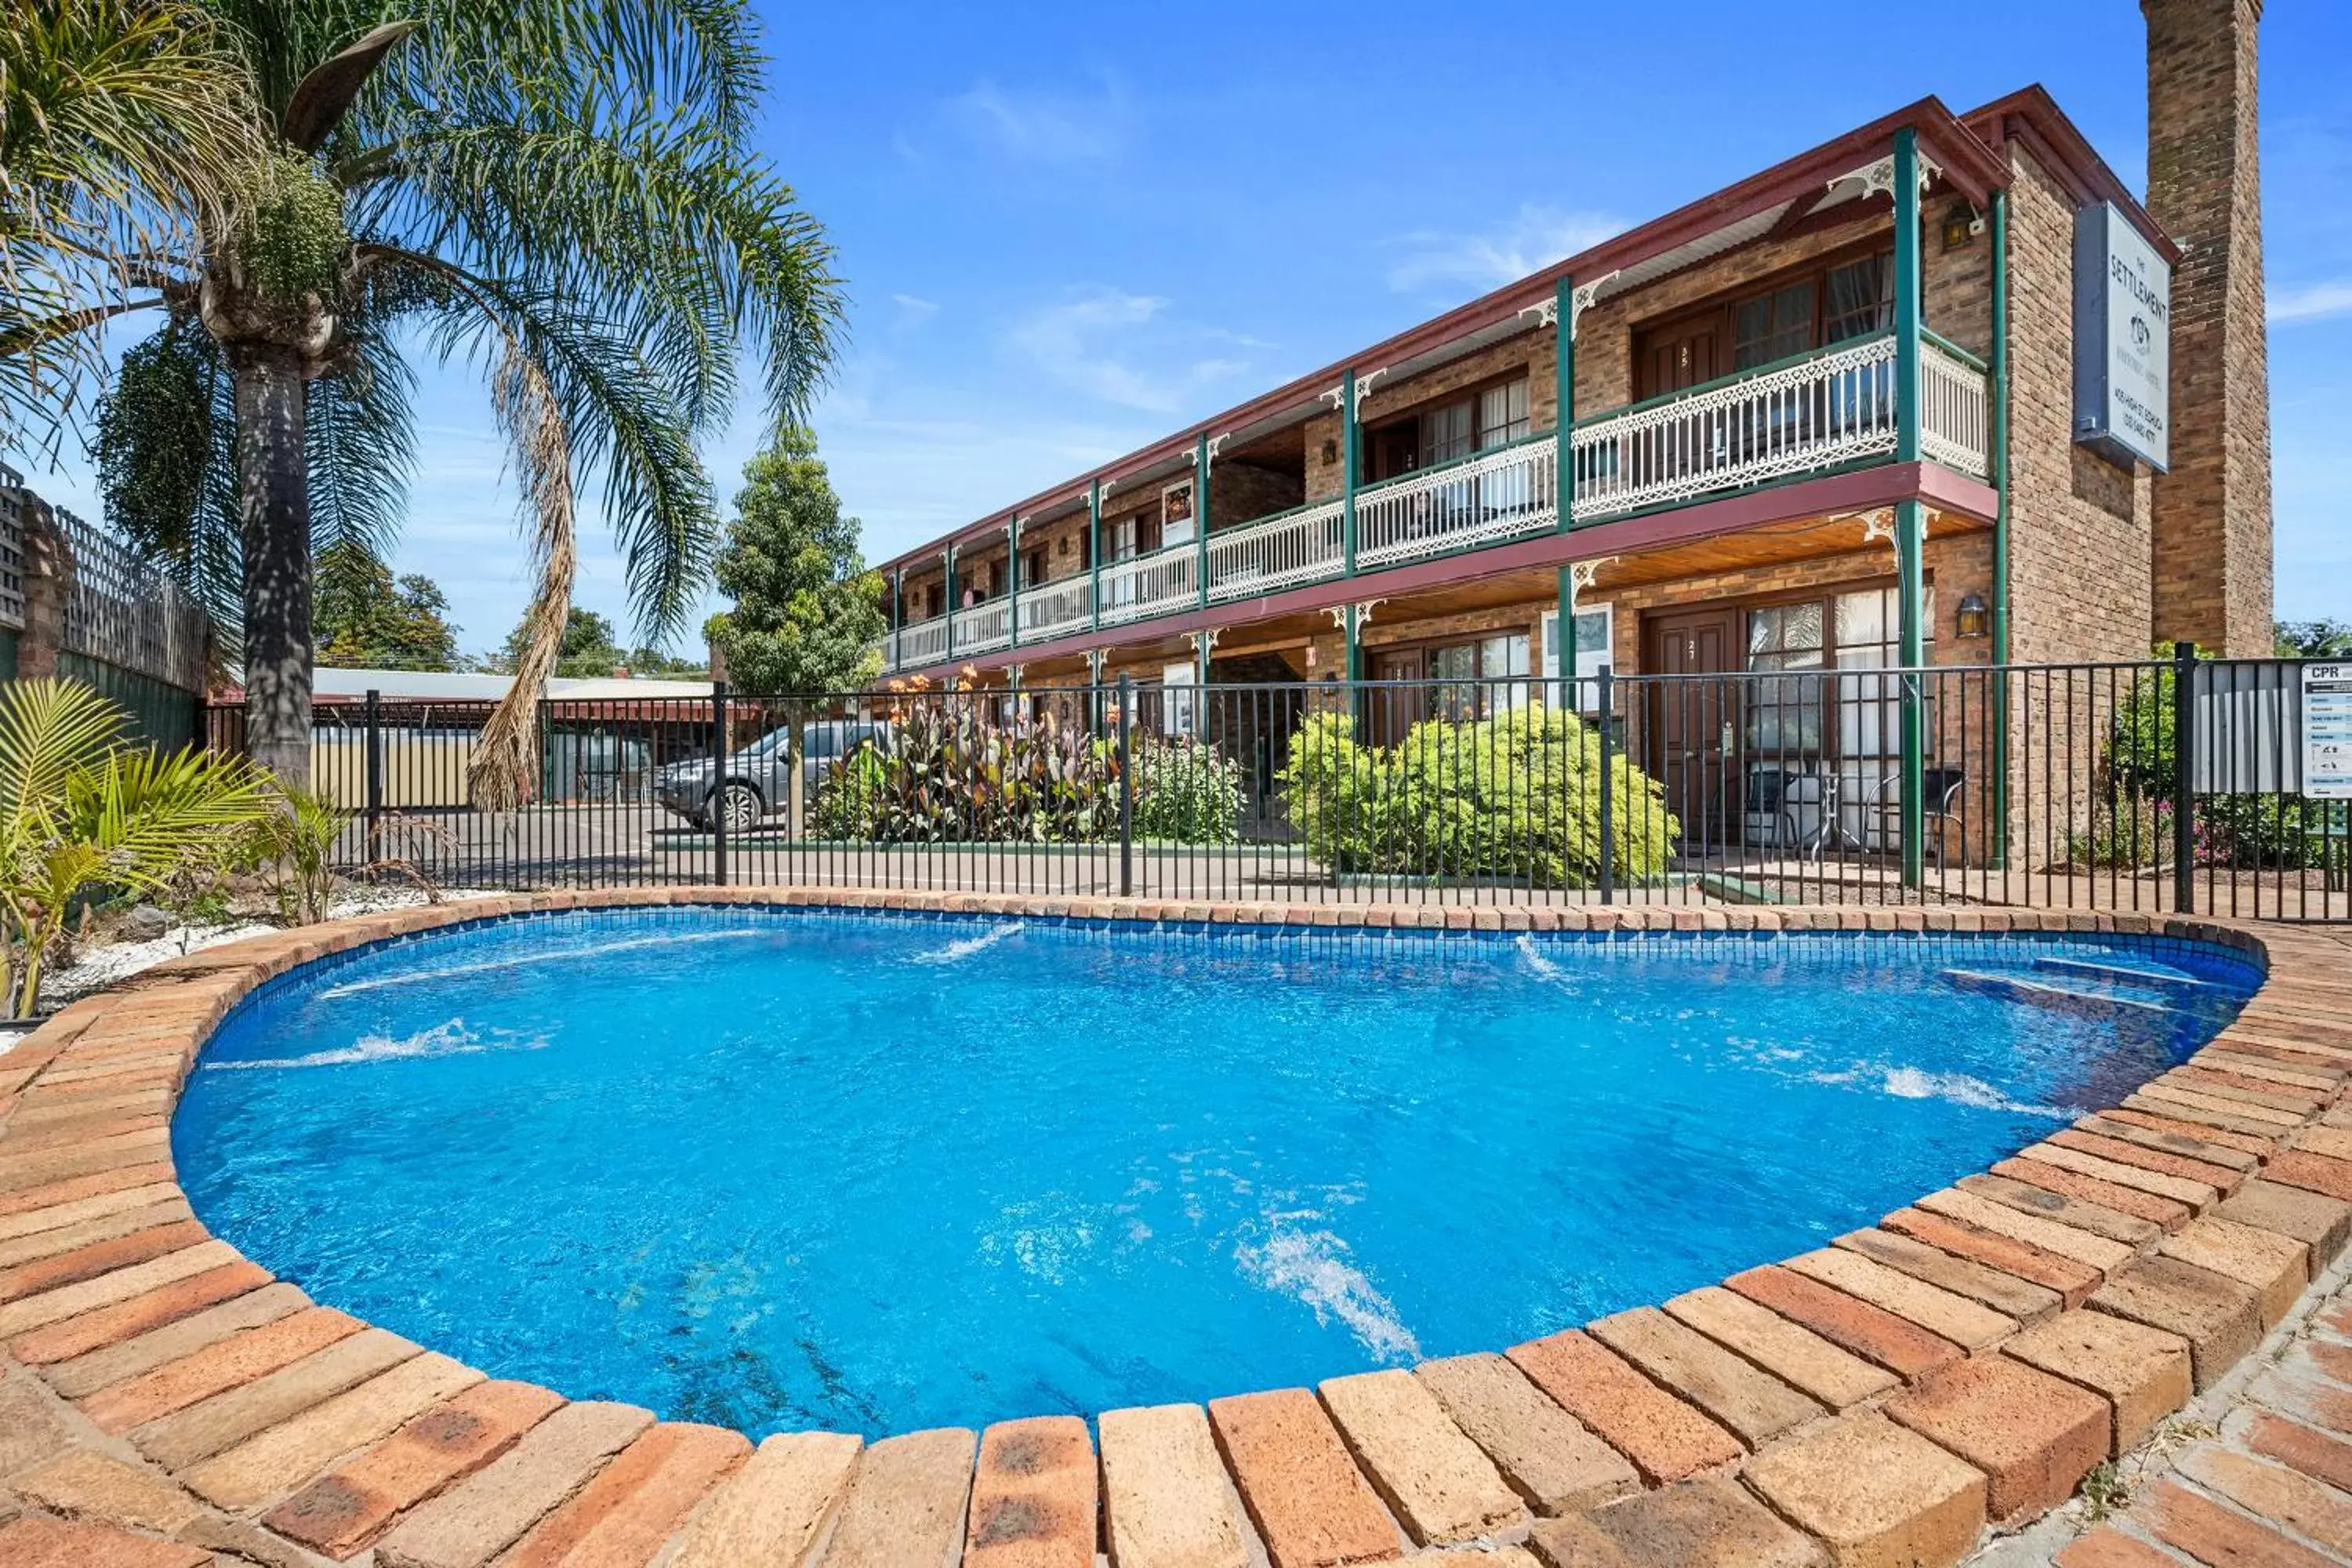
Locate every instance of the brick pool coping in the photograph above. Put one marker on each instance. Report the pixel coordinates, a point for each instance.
(1882, 1400)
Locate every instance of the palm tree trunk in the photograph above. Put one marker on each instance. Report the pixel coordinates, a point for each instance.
(274, 487)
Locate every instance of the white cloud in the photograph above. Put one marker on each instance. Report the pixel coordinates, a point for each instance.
(2313, 302)
(1535, 236)
(914, 310)
(1066, 341)
(1042, 128)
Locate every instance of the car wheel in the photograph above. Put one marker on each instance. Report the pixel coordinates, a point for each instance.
(738, 807)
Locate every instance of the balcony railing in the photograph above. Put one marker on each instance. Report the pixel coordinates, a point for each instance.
(1819, 410)
(1151, 584)
(1304, 544)
(1504, 493)
(1830, 409)
(982, 628)
(1052, 609)
(1956, 410)
(925, 642)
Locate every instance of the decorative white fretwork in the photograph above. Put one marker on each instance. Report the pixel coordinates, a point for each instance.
(1217, 445)
(1878, 178)
(1581, 297)
(1095, 664)
(1364, 385)
(1878, 526)
(1211, 637)
(1545, 311)
(1336, 396)
(1580, 574)
(1013, 673)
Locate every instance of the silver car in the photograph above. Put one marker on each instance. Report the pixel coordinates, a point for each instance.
(755, 784)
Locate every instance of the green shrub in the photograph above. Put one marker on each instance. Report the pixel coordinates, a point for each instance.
(1186, 792)
(1516, 796)
(946, 773)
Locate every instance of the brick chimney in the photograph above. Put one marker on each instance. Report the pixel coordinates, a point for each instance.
(2213, 511)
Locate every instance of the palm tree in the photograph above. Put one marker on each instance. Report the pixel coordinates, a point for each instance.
(559, 193)
(122, 121)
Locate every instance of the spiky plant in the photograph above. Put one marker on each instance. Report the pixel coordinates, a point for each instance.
(80, 810)
(559, 193)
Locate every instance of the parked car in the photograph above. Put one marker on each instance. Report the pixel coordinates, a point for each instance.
(755, 784)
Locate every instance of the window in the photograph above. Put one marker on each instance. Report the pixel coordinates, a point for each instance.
(1785, 714)
(1870, 637)
(1858, 299)
(1593, 650)
(1122, 540)
(1448, 432)
(1491, 417)
(1503, 414)
(1772, 326)
(1472, 671)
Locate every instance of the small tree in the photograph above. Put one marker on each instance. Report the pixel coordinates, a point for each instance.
(806, 610)
(367, 620)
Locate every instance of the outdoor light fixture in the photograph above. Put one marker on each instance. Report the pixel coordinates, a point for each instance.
(1975, 619)
(1962, 225)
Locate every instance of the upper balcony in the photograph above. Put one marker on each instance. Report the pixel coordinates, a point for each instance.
(1827, 411)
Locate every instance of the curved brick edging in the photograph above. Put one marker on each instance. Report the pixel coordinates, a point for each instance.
(1879, 1400)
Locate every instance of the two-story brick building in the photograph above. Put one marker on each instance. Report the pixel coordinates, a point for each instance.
(1824, 418)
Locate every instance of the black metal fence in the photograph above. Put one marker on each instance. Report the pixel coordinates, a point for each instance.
(2165, 786)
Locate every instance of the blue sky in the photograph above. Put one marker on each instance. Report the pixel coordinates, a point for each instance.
(1067, 229)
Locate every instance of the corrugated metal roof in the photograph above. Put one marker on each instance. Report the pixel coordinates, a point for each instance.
(329, 684)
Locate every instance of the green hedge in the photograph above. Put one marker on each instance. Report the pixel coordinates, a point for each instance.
(1517, 796)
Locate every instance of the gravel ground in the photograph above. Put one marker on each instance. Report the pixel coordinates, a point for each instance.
(99, 966)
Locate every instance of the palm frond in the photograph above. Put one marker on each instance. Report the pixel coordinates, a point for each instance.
(49, 728)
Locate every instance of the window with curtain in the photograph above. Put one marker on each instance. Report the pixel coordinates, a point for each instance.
(1870, 637)
(1502, 413)
(1858, 299)
(1449, 432)
(1784, 714)
(1772, 326)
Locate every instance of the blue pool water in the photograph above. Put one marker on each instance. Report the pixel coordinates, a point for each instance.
(877, 1173)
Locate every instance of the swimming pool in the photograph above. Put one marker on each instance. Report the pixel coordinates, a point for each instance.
(879, 1171)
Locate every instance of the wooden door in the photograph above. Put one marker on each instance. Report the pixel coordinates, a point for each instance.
(1393, 449)
(1691, 723)
(1395, 709)
(1679, 354)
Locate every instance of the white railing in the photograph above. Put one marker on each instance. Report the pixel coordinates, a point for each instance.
(1955, 413)
(982, 627)
(885, 649)
(1050, 609)
(1305, 545)
(1818, 412)
(925, 642)
(1502, 494)
(1151, 584)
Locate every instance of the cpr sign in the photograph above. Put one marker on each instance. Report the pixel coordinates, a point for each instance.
(2123, 340)
(2327, 731)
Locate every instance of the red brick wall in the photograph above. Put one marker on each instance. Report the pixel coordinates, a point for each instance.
(2079, 578)
(2213, 511)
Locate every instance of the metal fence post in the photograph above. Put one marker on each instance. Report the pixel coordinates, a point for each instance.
(1608, 699)
(1127, 786)
(372, 759)
(719, 780)
(2184, 760)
